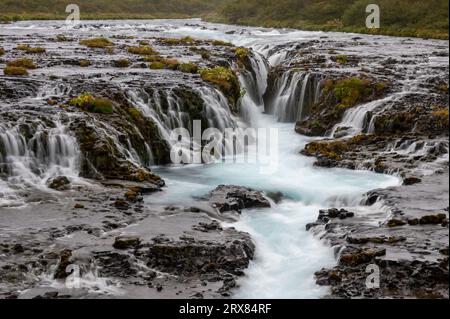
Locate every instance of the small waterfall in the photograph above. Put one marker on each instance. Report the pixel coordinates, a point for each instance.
(293, 95)
(356, 120)
(31, 153)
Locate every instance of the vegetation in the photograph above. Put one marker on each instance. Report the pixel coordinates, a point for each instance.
(351, 91)
(219, 43)
(398, 17)
(101, 43)
(28, 49)
(89, 103)
(13, 70)
(84, 63)
(182, 41)
(22, 63)
(341, 59)
(122, 63)
(2, 51)
(223, 78)
(142, 50)
(189, 67)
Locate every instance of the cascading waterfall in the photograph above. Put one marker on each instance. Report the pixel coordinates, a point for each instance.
(30, 154)
(295, 93)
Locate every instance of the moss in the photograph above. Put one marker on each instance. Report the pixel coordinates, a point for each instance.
(331, 150)
(142, 50)
(349, 92)
(223, 78)
(12, 70)
(396, 223)
(182, 41)
(341, 59)
(122, 63)
(28, 49)
(22, 63)
(189, 67)
(242, 53)
(61, 38)
(2, 51)
(101, 43)
(171, 64)
(153, 58)
(84, 63)
(219, 43)
(144, 43)
(157, 66)
(442, 88)
(88, 102)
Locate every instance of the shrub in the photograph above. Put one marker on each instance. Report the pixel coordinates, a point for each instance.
(22, 63)
(122, 63)
(101, 43)
(13, 70)
(89, 103)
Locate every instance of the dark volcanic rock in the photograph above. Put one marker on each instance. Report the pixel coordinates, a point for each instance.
(235, 198)
(59, 183)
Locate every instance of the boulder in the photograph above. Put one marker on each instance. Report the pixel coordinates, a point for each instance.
(235, 198)
(59, 183)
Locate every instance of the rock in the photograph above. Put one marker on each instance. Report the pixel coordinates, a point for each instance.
(126, 242)
(18, 249)
(235, 198)
(60, 183)
(395, 223)
(78, 206)
(411, 181)
(64, 262)
(121, 204)
(433, 219)
(277, 197)
(362, 256)
(326, 215)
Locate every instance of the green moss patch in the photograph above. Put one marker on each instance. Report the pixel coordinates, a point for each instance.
(89, 103)
(22, 63)
(15, 71)
(100, 43)
(31, 50)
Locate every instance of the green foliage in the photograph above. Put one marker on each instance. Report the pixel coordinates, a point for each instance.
(22, 63)
(219, 43)
(157, 66)
(13, 70)
(101, 43)
(242, 53)
(182, 41)
(398, 17)
(89, 103)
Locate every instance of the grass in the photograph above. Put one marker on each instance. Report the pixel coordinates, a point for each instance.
(22, 63)
(89, 103)
(98, 43)
(15, 71)
(31, 50)
(219, 43)
(349, 92)
(142, 50)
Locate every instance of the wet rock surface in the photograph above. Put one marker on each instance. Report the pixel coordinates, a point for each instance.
(409, 250)
(229, 198)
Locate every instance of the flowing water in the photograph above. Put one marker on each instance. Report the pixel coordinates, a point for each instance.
(287, 255)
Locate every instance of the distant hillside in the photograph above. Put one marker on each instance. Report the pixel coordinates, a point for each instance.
(91, 9)
(398, 17)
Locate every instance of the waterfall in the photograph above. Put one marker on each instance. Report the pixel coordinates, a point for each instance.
(30, 154)
(293, 95)
(356, 120)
